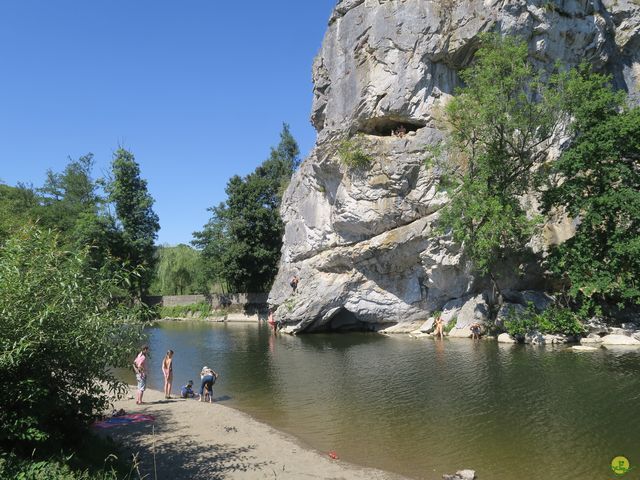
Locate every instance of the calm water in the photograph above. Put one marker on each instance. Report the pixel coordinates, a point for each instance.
(421, 407)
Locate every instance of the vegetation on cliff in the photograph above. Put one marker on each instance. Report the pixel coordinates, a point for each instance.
(500, 128)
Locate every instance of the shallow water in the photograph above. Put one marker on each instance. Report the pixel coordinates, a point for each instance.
(422, 407)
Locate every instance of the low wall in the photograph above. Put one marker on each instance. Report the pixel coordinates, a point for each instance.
(216, 300)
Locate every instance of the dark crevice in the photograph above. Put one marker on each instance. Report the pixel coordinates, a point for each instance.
(390, 126)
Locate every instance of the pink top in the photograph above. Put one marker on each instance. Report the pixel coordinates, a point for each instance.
(141, 361)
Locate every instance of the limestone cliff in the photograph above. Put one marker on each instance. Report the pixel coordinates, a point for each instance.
(362, 243)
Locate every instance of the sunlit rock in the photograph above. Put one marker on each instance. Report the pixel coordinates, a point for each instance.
(364, 243)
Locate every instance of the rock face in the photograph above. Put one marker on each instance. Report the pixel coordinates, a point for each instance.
(363, 242)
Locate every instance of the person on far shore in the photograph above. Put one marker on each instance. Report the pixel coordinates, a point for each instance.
(272, 322)
(140, 367)
(167, 371)
(439, 324)
(294, 284)
(475, 331)
(207, 378)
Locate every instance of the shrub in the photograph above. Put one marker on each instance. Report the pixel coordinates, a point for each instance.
(352, 155)
(61, 335)
(200, 309)
(450, 324)
(554, 319)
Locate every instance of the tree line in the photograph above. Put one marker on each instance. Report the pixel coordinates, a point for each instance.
(112, 215)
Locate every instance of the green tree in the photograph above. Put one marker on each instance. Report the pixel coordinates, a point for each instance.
(138, 223)
(178, 271)
(241, 243)
(68, 195)
(500, 126)
(60, 337)
(17, 205)
(597, 181)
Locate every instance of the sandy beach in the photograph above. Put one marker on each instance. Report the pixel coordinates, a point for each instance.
(193, 439)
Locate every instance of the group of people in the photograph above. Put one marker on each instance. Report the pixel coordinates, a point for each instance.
(208, 378)
(438, 327)
(399, 132)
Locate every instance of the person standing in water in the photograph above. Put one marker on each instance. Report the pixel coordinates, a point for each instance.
(167, 371)
(272, 322)
(439, 324)
(140, 367)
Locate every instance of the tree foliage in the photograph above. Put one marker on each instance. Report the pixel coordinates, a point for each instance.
(597, 182)
(241, 243)
(134, 210)
(500, 126)
(62, 333)
(178, 271)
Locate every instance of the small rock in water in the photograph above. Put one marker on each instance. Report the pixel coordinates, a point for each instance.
(466, 474)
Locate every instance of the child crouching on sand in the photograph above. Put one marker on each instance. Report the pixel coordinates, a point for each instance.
(187, 390)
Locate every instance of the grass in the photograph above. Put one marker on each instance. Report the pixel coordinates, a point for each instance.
(95, 458)
(450, 324)
(196, 310)
(352, 155)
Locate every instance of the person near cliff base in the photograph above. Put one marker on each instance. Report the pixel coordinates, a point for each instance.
(475, 330)
(294, 283)
(439, 324)
(207, 378)
(140, 367)
(272, 321)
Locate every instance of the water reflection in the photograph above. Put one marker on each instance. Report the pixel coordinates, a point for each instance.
(422, 407)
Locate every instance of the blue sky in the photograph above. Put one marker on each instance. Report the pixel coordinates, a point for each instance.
(197, 90)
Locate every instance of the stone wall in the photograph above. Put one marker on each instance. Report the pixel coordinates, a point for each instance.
(216, 300)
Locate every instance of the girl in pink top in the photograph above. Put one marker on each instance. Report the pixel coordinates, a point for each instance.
(140, 367)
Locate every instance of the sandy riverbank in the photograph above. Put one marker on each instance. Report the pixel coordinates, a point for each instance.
(212, 441)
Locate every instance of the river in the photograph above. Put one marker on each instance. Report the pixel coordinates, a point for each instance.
(421, 407)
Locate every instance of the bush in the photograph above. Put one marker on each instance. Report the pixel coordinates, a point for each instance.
(554, 319)
(352, 155)
(201, 309)
(61, 335)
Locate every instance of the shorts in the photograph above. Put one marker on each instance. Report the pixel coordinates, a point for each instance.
(142, 381)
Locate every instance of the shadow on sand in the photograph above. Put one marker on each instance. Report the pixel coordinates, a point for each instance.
(175, 456)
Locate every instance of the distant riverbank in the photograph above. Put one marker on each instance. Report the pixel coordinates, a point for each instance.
(192, 439)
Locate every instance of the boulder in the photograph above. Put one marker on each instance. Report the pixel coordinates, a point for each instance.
(596, 325)
(466, 474)
(583, 348)
(465, 312)
(620, 340)
(591, 339)
(506, 338)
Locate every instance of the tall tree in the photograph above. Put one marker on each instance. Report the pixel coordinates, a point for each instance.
(241, 242)
(597, 181)
(500, 127)
(134, 210)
